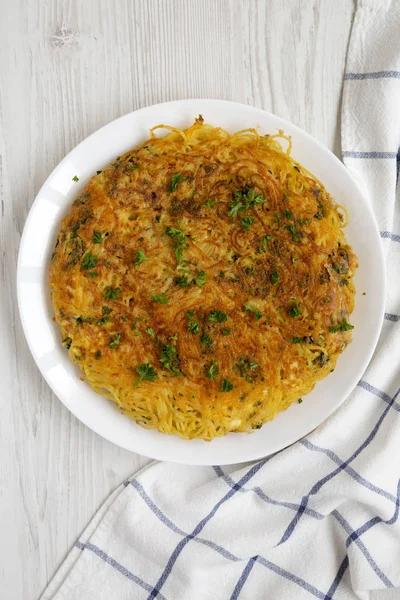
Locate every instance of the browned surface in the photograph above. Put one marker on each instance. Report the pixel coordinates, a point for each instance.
(304, 261)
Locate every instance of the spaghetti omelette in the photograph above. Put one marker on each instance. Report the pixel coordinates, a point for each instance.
(202, 281)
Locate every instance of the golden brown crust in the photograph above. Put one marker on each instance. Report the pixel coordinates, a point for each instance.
(230, 228)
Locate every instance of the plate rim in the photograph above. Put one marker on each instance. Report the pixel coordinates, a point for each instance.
(196, 459)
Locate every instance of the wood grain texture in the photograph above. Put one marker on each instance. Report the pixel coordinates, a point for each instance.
(66, 68)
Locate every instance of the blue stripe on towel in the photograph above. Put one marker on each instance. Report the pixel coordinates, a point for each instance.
(391, 317)
(317, 486)
(199, 527)
(395, 237)
(116, 565)
(355, 535)
(349, 470)
(355, 154)
(339, 518)
(243, 578)
(222, 551)
(374, 75)
(346, 526)
(382, 395)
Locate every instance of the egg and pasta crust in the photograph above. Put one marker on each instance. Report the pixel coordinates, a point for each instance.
(203, 282)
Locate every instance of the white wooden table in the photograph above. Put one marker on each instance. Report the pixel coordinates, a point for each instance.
(67, 68)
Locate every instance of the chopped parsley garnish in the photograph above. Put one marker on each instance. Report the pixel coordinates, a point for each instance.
(170, 359)
(200, 278)
(206, 340)
(217, 316)
(75, 178)
(97, 237)
(341, 268)
(226, 330)
(293, 231)
(252, 199)
(131, 167)
(106, 310)
(277, 217)
(222, 274)
(246, 223)
(264, 244)
(89, 261)
(160, 298)
(212, 370)
(245, 367)
(112, 293)
(190, 313)
(98, 353)
(114, 342)
(150, 332)
(296, 340)
(175, 181)
(140, 257)
(98, 172)
(257, 313)
(81, 319)
(274, 277)
(137, 319)
(103, 321)
(289, 215)
(210, 203)
(146, 373)
(193, 327)
(183, 281)
(235, 207)
(180, 240)
(244, 200)
(67, 342)
(295, 311)
(93, 274)
(300, 400)
(226, 385)
(342, 326)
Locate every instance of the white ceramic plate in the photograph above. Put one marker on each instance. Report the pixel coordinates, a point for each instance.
(43, 336)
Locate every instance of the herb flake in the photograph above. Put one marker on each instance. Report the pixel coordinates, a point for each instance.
(89, 261)
(140, 257)
(212, 370)
(146, 373)
(112, 293)
(170, 360)
(160, 298)
(200, 278)
(115, 341)
(175, 181)
(217, 316)
(257, 313)
(342, 326)
(246, 223)
(226, 385)
(295, 311)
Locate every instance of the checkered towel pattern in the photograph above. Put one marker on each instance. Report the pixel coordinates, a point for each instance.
(321, 518)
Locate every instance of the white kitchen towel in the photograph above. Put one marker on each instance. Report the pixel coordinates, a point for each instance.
(321, 518)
